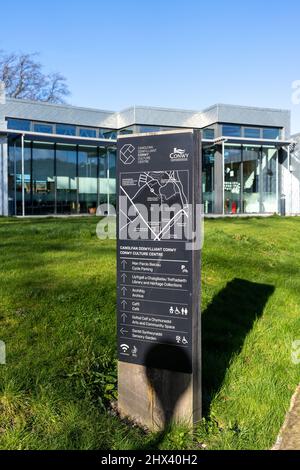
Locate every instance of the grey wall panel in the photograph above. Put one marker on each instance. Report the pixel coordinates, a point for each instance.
(255, 116)
(24, 109)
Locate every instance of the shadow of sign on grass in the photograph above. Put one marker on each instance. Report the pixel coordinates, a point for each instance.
(225, 324)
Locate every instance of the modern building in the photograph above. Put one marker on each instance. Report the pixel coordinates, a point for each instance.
(60, 159)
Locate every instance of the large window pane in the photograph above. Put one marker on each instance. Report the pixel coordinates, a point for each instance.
(65, 129)
(86, 132)
(231, 130)
(271, 133)
(43, 127)
(18, 124)
(103, 180)
(43, 183)
(232, 179)
(66, 180)
(252, 132)
(251, 195)
(15, 177)
(112, 177)
(269, 180)
(208, 180)
(107, 133)
(208, 133)
(88, 179)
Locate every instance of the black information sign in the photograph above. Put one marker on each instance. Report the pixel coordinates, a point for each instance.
(158, 256)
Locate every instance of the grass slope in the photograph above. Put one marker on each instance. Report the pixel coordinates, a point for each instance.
(57, 318)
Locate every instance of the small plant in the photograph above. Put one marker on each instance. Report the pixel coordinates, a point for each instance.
(96, 377)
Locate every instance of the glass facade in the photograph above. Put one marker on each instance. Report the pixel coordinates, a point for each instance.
(73, 178)
(60, 178)
(250, 179)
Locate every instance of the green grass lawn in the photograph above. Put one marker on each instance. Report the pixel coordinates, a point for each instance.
(57, 318)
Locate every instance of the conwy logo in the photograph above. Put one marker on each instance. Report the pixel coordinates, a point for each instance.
(126, 152)
(179, 154)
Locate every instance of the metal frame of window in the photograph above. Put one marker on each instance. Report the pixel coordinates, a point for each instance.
(22, 137)
(260, 155)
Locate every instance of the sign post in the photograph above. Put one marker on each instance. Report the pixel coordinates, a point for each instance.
(158, 277)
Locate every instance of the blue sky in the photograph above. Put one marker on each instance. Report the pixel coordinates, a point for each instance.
(182, 54)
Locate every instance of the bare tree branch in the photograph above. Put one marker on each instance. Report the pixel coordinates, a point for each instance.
(24, 78)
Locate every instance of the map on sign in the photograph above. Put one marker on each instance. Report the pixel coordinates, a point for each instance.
(163, 194)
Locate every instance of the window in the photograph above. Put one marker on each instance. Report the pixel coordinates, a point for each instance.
(108, 134)
(232, 130)
(18, 124)
(252, 132)
(87, 179)
(208, 133)
(232, 179)
(85, 132)
(208, 179)
(43, 186)
(66, 178)
(270, 133)
(43, 127)
(65, 129)
(149, 129)
(127, 130)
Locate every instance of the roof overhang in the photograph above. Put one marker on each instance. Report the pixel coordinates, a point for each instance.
(249, 141)
(58, 138)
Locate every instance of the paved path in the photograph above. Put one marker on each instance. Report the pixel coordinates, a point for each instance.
(289, 437)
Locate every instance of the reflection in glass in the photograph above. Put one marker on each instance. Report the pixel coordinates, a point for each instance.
(271, 133)
(86, 132)
(251, 196)
(112, 177)
(252, 132)
(232, 180)
(208, 180)
(18, 124)
(65, 129)
(269, 179)
(87, 179)
(43, 183)
(232, 130)
(103, 180)
(66, 184)
(15, 177)
(43, 127)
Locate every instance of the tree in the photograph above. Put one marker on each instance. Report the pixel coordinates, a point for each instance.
(23, 77)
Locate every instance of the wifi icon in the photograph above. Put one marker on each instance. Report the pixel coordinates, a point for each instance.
(124, 347)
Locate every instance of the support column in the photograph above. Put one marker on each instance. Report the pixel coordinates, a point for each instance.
(3, 177)
(23, 175)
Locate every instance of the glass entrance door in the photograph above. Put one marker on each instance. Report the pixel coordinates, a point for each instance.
(232, 180)
(250, 179)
